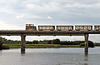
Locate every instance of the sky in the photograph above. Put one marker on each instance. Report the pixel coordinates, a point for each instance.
(14, 14)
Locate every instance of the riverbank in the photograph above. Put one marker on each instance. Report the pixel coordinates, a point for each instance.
(40, 45)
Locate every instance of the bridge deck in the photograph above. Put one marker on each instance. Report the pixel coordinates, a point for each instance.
(44, 33)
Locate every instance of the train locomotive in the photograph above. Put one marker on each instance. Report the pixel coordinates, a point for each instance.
(30, 27)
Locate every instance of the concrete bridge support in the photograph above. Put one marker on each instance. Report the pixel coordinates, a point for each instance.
(86, 44)
(0, 46)
(23, 43)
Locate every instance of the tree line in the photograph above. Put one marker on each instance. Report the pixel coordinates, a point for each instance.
(54, 41)
(57, 41)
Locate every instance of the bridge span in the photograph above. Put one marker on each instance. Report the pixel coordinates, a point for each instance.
(46, 33)
(24, 33)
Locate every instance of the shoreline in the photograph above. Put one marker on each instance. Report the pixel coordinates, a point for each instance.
(42, 46)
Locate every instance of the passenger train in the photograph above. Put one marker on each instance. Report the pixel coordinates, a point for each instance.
(31, 27)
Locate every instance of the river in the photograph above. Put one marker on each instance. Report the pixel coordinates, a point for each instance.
(50, 56)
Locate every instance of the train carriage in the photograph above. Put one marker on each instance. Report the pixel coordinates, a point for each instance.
(46, 28)
(64, 28)
(83, 27)
(97, 27)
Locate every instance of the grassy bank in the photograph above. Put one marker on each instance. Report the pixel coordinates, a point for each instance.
(41, 45)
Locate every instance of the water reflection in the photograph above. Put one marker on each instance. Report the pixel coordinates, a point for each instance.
(61, 56)
(86, 59)
(22, 52)
(0, 52)
(86, 53)
(85, 64)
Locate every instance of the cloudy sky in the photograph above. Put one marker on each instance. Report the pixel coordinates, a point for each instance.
(14, 14)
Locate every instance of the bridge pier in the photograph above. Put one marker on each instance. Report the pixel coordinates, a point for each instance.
(86, 44)
(0, 46)
(23, 43)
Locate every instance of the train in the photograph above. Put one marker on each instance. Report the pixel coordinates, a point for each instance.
(31, 27)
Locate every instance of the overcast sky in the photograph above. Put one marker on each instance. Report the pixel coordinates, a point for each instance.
(14, 14)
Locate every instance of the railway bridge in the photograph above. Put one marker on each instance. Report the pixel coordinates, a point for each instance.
(24, 33)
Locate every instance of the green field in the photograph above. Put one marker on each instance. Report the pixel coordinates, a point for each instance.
(40, 45)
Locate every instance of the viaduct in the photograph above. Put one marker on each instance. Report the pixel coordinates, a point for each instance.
(24, 33)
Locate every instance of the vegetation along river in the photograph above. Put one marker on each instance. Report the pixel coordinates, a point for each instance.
(50, 56)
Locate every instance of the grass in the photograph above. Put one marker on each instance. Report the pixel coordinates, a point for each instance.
(40, 45)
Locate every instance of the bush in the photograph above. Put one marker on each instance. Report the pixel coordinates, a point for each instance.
(63, 43)
(56, 41)
(49, 42)
(35, 42)
(90, 44)
(82, 44)
(28, 42)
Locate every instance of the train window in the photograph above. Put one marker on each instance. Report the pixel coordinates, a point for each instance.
(85, 28)
(66, 28)
(27, 25)
(81, 28)
(59, 27)
(43, 27)
(51, 27)
(70, 27)
(47, 27)
(30, 24)
(89, 27)
(97, 28)
(77, 27)
(62, 28)
(40, 27)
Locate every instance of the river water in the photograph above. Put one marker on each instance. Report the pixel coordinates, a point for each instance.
(50, 56)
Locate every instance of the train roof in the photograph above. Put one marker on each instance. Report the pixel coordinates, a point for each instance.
(45, 25)
(96, 25)
(64, 25)
(83, 25)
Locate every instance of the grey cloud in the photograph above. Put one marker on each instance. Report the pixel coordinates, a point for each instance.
(61, 11)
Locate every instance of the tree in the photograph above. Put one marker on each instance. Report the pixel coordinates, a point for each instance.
(90, 44)
(49, 42)
(28, 42)
(35, 42)
(63, 42)
(56, 41)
